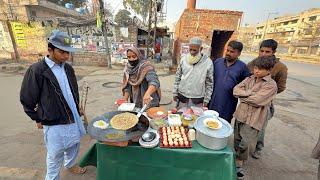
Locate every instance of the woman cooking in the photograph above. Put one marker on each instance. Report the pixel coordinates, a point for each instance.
(140, 81)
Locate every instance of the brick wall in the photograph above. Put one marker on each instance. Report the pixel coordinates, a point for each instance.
(89, 59)
(35, 43)
(202, 23)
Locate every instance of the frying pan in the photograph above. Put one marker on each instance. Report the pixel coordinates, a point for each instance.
(113, 135)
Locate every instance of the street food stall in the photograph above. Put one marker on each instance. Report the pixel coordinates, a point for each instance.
(189, 143)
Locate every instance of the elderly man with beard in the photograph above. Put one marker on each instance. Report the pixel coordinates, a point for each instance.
(228, 72)
(194, 77)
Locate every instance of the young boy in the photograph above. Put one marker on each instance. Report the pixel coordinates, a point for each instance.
(255, 93)
(279, 73)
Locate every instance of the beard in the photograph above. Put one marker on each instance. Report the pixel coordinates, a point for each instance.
(230, 59)
(192, 59)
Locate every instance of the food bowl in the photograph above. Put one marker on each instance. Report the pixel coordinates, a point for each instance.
(148, 136)
(212, 123)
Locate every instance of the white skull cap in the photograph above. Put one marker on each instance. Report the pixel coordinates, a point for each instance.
(195, 41)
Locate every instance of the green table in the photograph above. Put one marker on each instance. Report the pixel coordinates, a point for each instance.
(135, 162)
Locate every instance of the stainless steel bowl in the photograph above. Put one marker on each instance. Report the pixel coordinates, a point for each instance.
(148, 136)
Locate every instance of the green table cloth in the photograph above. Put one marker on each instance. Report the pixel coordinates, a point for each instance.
(135, 162)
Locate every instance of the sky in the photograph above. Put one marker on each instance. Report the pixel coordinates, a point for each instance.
(255, 11)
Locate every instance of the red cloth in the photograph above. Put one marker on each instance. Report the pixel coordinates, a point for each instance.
(157, 48)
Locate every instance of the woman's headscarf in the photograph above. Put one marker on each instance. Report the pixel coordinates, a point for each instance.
(134, 75)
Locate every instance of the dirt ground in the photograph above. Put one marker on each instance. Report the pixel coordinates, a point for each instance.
(290, 137)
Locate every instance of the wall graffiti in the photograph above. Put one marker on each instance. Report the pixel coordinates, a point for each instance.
(86, 38)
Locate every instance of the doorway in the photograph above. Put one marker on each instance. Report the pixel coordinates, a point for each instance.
(218, 42)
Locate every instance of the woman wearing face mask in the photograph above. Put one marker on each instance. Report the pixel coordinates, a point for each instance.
(140, 82)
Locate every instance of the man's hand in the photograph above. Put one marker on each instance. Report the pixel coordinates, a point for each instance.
(39, 126)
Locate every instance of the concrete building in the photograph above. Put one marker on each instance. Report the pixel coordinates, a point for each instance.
(26, 24)
(214, 27)
(245, 35)
(36, 10)
(296, 34)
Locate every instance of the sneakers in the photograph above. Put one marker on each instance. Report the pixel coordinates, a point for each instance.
(256, 154)
(240, 173)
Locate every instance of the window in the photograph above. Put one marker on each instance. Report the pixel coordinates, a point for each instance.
(286, 23)
(312, 18)
(294, 21)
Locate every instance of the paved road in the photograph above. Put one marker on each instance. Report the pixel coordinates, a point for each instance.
(291, 134)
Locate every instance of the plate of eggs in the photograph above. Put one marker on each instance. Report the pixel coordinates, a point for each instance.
(174, 137)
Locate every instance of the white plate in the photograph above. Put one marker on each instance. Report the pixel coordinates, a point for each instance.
(212, 119)
(126, 107)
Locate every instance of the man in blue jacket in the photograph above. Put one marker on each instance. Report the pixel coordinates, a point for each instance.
(228, 72)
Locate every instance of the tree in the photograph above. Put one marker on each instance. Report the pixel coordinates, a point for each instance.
(123, 17)
(138, 6)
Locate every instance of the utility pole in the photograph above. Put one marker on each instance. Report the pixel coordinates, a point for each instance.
(104, 31)
(14, 44)
(155, 24)
(265, 28)
(149, 27)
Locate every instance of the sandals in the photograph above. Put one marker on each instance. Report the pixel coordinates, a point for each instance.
(240, 173)
(77, 170)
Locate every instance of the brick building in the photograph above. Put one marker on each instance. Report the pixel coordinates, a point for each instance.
(26, 24)
(214, 27)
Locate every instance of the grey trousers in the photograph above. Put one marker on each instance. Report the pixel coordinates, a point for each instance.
(260, 142)
(245, 138)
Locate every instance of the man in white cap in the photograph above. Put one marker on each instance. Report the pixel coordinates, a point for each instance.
(194, 77)
(49, 95)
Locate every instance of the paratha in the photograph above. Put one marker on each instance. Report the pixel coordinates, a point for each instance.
(124, 121)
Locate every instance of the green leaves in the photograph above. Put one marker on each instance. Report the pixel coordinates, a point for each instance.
(123, 17)
(138, 6)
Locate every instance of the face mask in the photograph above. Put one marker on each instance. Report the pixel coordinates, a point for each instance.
(133, 63)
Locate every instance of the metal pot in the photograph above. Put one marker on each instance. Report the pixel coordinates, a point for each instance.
(213, 139)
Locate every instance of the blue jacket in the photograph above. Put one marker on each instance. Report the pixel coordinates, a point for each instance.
(226, 78)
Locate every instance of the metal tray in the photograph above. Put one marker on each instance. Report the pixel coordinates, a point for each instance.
(112, 135)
